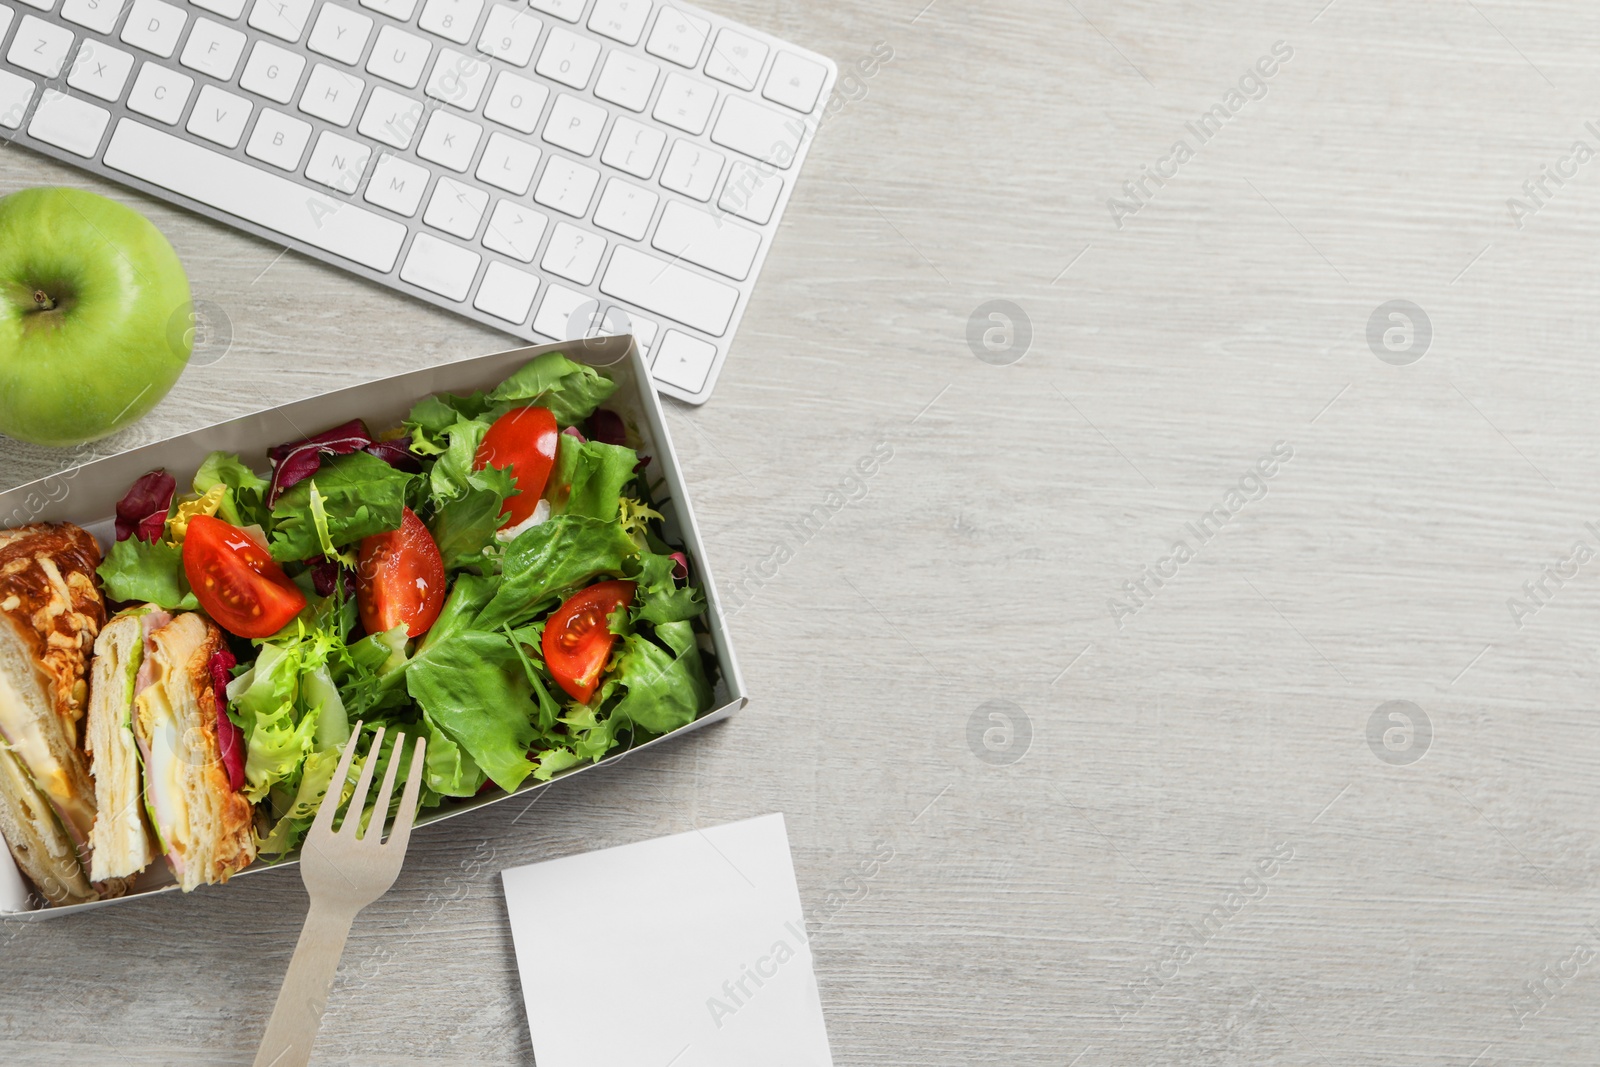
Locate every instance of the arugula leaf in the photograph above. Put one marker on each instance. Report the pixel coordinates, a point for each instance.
(246, 490)
(147, 571)
(362, 495)
(570, 390)
(465, 526)
(472, 687)
(562, 552)
(588, 477)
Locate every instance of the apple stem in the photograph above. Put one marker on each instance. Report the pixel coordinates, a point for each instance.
(42, 298)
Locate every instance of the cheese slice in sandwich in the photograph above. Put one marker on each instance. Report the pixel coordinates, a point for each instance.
(50, 613)
(203, 825)
(121, 836)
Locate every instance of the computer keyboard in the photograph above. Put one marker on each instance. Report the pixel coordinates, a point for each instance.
(553, 168)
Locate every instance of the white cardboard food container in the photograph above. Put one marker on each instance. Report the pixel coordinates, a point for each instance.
(88, 494)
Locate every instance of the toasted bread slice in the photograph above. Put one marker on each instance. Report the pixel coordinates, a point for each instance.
(121, 836)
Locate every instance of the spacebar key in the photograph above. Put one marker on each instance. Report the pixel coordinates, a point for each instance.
(255, 196)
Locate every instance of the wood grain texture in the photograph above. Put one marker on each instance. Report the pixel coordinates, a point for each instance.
(1035, 912)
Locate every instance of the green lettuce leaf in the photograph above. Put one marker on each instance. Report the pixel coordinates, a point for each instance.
(147, 571)
(465, 526)
(279, 730)
(452, 471)
(588, 477)
(244, 503)
(361, 495)
(570, 390)
(447, 769)
(472, 687)
(543, 560)
(430, 418)
(664, 688)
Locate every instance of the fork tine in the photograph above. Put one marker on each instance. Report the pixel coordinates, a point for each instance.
(358, 799)
(400, 835)
(323, 823)
(380, 808)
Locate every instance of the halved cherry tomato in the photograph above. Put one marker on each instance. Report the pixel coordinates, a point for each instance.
(400, 579)
(578, 639)
(236, 581)
(523, 439)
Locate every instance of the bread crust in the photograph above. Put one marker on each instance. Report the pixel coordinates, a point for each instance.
(48, 593)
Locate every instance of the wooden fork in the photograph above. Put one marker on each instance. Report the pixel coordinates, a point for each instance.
(343, 874)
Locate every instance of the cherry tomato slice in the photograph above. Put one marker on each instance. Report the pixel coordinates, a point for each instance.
(523, 439)
(400, 579)
(237, 583)
(577, 639)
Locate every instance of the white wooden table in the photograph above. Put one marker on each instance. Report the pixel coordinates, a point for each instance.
(1194, 844)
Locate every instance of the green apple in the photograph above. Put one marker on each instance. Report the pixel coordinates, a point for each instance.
(89, 293)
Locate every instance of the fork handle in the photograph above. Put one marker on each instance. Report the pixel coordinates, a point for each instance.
(292, 1030)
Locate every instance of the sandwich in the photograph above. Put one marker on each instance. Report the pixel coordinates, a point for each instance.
(191, 755)
(121, 840)
(50, 613)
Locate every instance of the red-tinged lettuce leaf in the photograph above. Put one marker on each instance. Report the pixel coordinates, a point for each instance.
(573, 431)
(296, 461)
(606, 426)
(397, 453)
(229, 739)
(142, 511)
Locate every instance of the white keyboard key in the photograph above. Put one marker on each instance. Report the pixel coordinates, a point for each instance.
(339, 33)
(160, 93)
(228, 9)
(42, 5)
(758, 132)
(281, 18)
(238, 188)
(219, 116)
(509, 33)
(338, 162)
(621, 320)
(683, 361)
(516, 102)
(795, 82)
(399, 56)
(331, 94)
(456, 208)
(736, 59)
(575, 124)
(458, 79)
(506, 293)
(454, 20)
(70, 123)
(508, 163)
(571, 10)
(706, 239)
(397, 184)
(750, 192)
(572, 253)
(669, 290)
(6, 17)
(633, 147)
(626, 80)
(97, 15)
(567, 186)
(278, 139)
(272, 71)
(685, 103)
(626, 209)
(100, 70)
(154, 26)
(691, 170)
(449, 141)
(395, 9)
(213, 49)
(515, 230)
(391, 118)
(566, 314)
(40, 46)
(568, 58)
(679, 37)
(620, 20)
(15, 93)
(440, 267)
